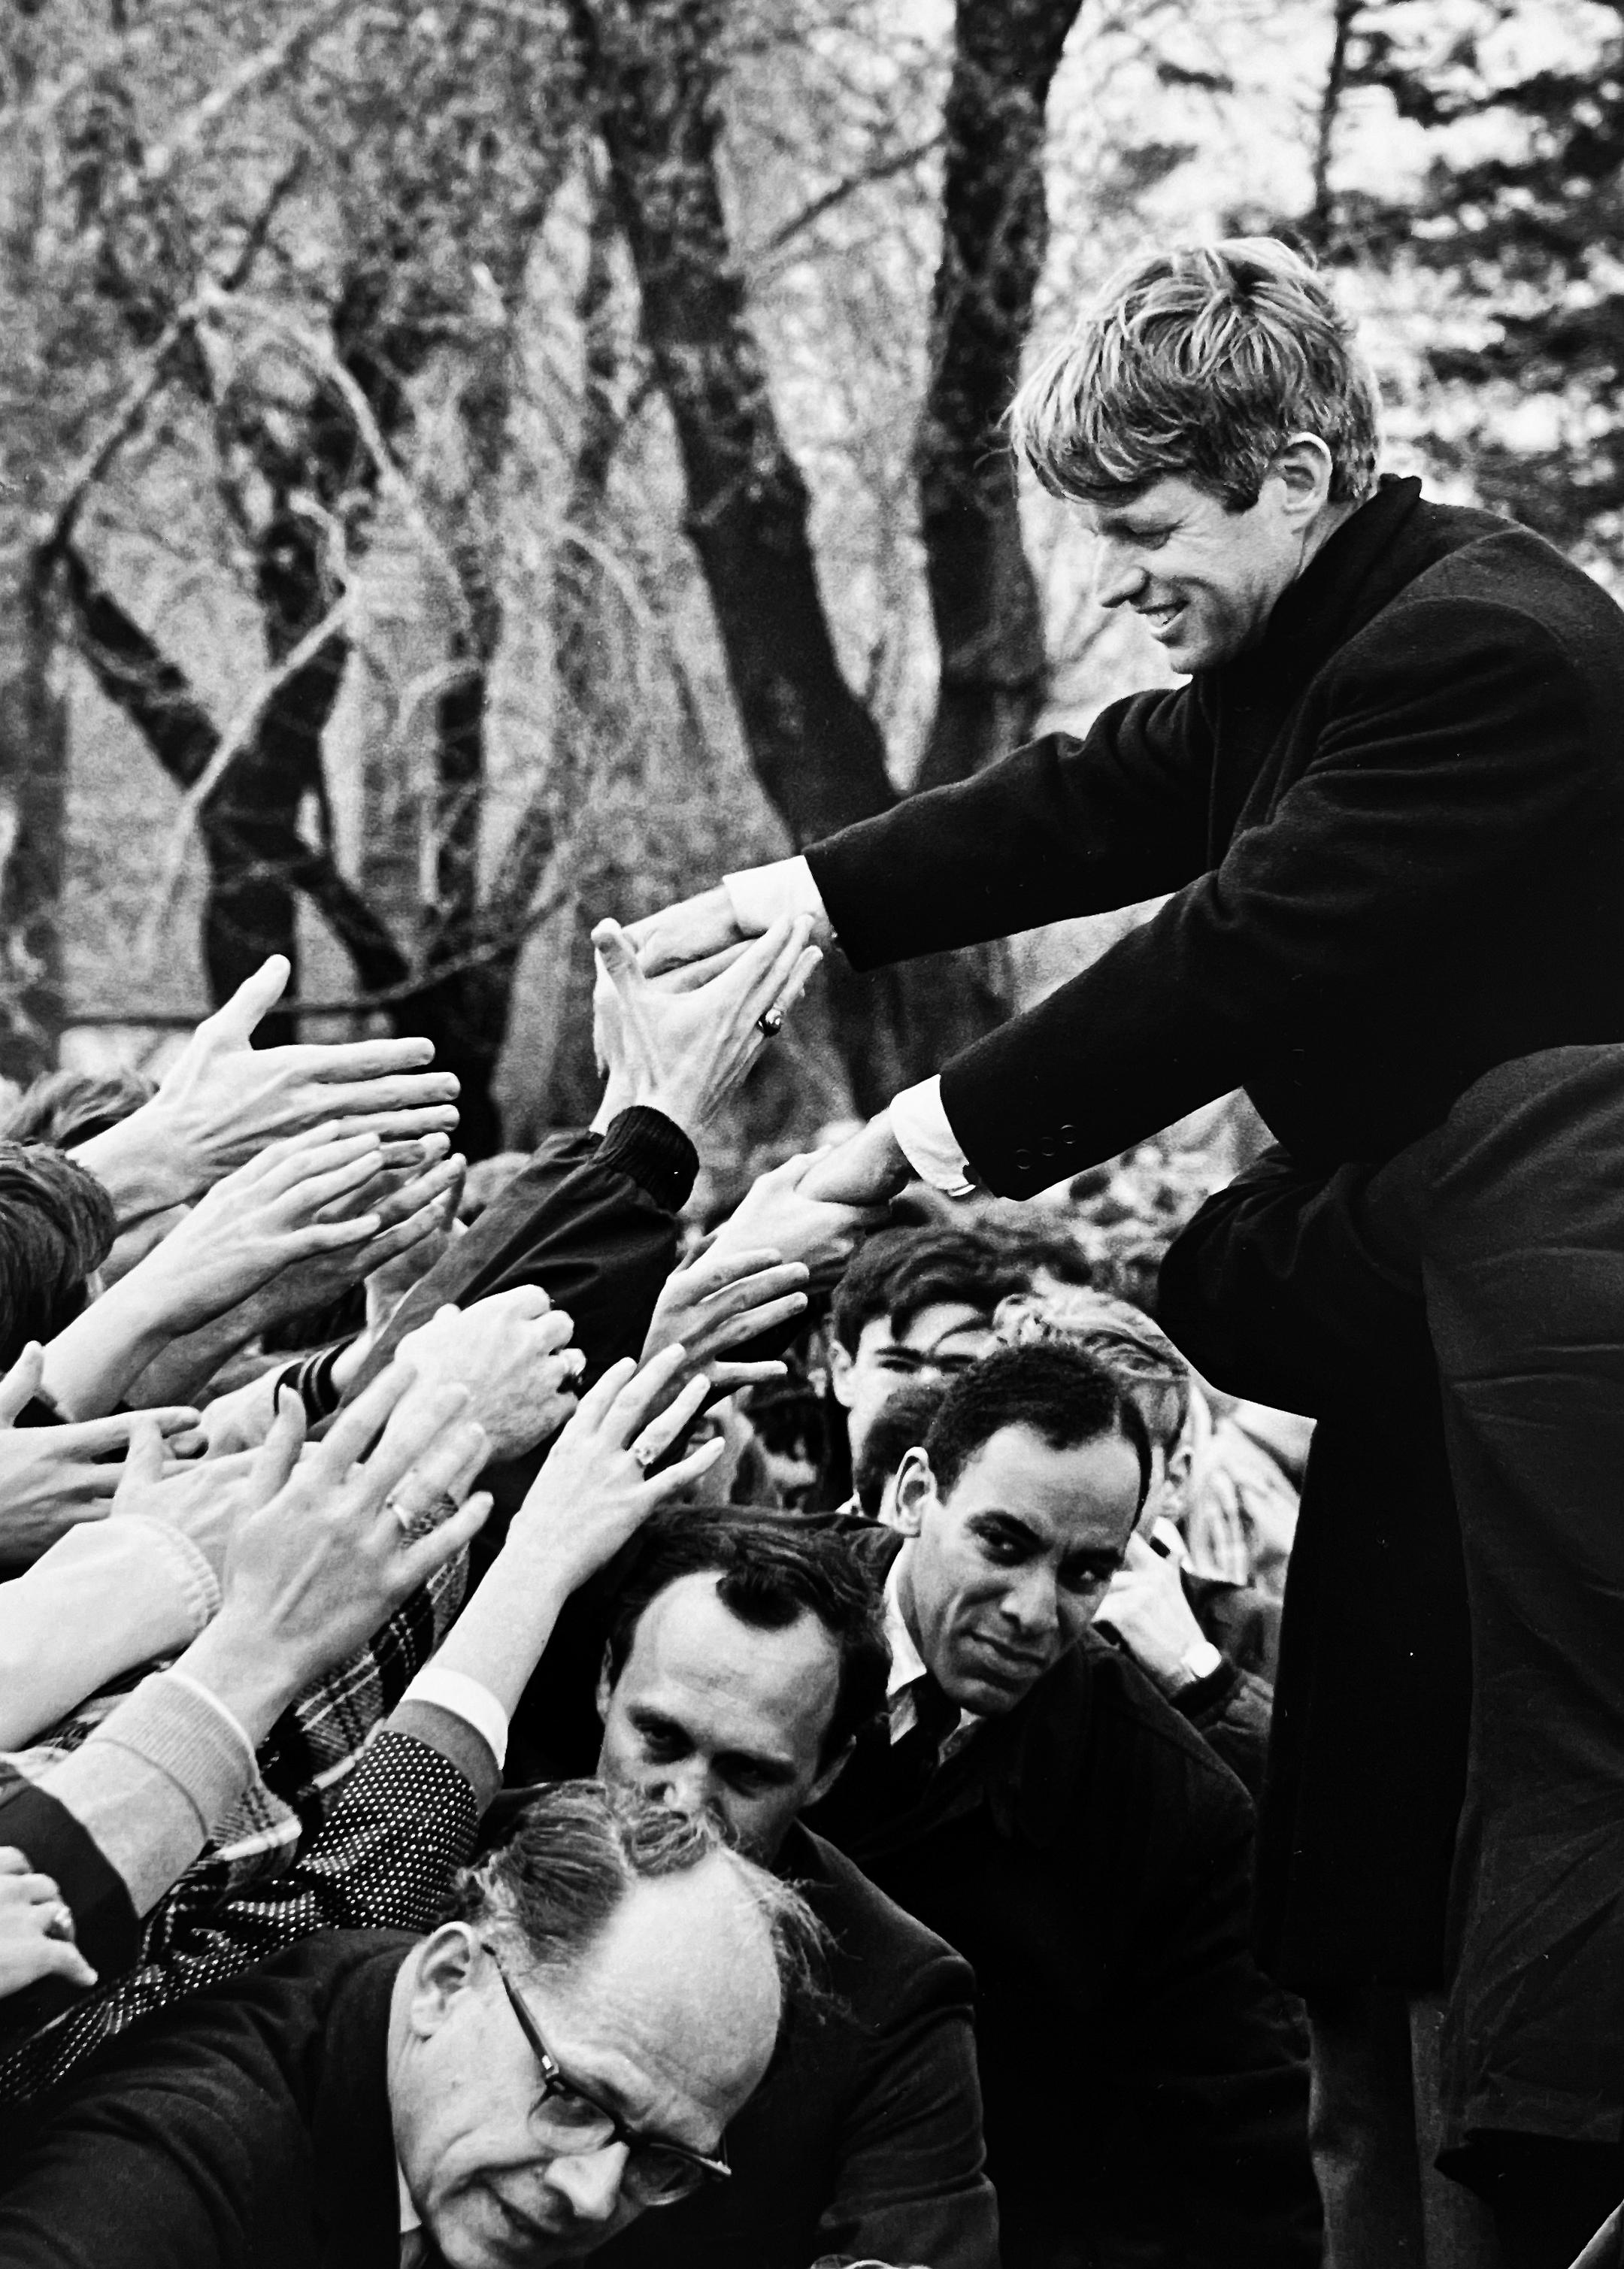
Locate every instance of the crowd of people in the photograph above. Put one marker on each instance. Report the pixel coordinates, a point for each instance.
(521, 1708)
(461, 1788)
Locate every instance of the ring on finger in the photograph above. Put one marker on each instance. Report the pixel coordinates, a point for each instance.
(644, 1454)
(59, 1921)
(769, 1023)
(419, 1520)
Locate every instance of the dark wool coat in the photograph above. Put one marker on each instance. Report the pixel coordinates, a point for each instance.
(1395, 835)
(247, 2129)
(1144, 2086)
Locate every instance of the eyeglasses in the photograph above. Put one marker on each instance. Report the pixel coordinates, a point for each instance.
(658, 2173)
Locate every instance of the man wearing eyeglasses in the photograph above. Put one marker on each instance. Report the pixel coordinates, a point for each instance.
(561, 2055)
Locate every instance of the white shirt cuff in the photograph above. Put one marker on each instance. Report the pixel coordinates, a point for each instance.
(927, 1140)
(465, 1698)
(759, 895)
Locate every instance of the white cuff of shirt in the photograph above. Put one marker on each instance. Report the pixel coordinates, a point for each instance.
(1200, 1662)
(927, 1140)
(759, 895)
(465, 1698)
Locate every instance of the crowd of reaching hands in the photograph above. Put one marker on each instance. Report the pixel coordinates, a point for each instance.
(304, 1475)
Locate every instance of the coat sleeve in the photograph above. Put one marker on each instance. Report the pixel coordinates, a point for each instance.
(154, 2166)
(1060, 827)
(1285, 1289)
(911, 2184)
(1231, 1710)
(1221, 2053)
(1442, 762)
(592, 1222)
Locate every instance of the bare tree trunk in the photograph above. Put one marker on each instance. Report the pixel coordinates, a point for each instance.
(34, 783)
(814, 747)
(984, 597)
(651, 69)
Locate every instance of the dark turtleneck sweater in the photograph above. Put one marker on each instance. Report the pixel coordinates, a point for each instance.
(1394, 831)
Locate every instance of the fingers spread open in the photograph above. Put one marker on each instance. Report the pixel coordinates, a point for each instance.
(656, 1438)
(642, 1393)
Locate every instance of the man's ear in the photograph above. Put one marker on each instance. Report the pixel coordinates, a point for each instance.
(606, 1686)
(1305, 468)
(444, 1963)
(916, 1492)
(828, 1775)
(840, 1362)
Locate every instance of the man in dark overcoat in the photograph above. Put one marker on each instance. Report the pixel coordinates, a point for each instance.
(1388, 805)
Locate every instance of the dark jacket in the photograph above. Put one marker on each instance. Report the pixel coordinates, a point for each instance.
(1427, 737)
(1278, 1290)
(1145, 2086)
(248, 2130)
(866, 2138)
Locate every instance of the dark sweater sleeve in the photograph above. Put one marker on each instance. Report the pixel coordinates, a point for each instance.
(1060, 827)
(1442, 763)
(1289, 1287)
(592, 1221)
(106, 1928)
(1231, 1710)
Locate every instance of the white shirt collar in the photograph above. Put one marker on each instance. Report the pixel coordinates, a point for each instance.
(909, 1666)
(907, 1663)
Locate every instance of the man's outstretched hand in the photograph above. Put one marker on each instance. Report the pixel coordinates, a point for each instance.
(693, 930)
(868, 1171)
(223, 1100)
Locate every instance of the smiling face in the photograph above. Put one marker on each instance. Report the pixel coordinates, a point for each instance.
(669, 2019)
(710, 1714)
(1205, 578)
(1008, 1569)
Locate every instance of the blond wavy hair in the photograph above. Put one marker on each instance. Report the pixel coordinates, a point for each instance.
(1201, 362)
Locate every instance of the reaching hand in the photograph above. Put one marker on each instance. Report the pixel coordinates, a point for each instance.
(513, 1353)
(52, 1477)
(407, 1199)
(691, 931)
(223, 1099)
(36, 1928)
(327, 1558)
(204, 1498)
(779, 1210)
(725, 1298)
(272, 1214)
(868, 1171)
(684, 1051)
(596, 1489)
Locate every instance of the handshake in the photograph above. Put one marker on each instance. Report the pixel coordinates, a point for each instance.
(739, 988)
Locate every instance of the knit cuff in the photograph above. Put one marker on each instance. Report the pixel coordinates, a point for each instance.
(654, 1152)
(196, 1584)
(177, 1727)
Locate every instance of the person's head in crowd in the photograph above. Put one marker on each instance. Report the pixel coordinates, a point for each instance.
(913, 1304)
(901, 1425)
(1017, 1509)
(68, 1107)
(1212, 413)
(1050, 1256)
(1134, 1347)
(745, 1656)
(57, 1227)
(568, 2048)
